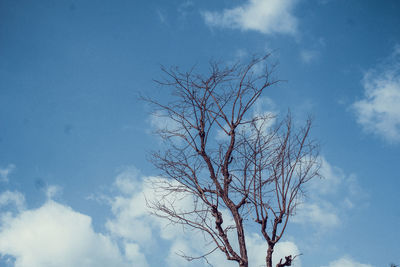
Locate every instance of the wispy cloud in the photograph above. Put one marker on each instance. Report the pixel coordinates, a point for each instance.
(161, 121)
(12, 198)
(265, 16)
(378, 112)
(5, 172)
(329, 198)
(313, 51)
(185, 8)
(308, 56)
(52, 191)
(162, 16)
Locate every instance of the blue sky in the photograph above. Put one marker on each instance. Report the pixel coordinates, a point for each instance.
(74, 138)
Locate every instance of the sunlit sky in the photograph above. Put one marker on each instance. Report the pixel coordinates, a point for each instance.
(75, 138)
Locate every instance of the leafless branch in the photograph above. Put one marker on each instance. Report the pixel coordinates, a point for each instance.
(225, 159)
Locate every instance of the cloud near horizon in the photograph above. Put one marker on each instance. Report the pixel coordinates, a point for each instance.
(346, 262)
(133, 223)
(55, 235)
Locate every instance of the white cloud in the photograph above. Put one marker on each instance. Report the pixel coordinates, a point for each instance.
(263, 108)
(179, 246)
(166, 127)
(4, 172)
(159, 120)
(257, 248)
(131, 220)
(329, 198)
(133, 223)
(335, 182)
(347, 262)
(265, 16)
(52, 191)
(12, 198)
(285, 248)
(54, 235)
(322, 215)
(332, 178)
(378, 112)
(134, 254)
(126, 180)
(317, 211)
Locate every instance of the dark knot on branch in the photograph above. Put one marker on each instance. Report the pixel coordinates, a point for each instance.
(288, 262)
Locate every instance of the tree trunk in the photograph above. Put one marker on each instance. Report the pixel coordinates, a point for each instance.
(269, 255)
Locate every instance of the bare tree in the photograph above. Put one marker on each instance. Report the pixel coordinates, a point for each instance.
(239, 166)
